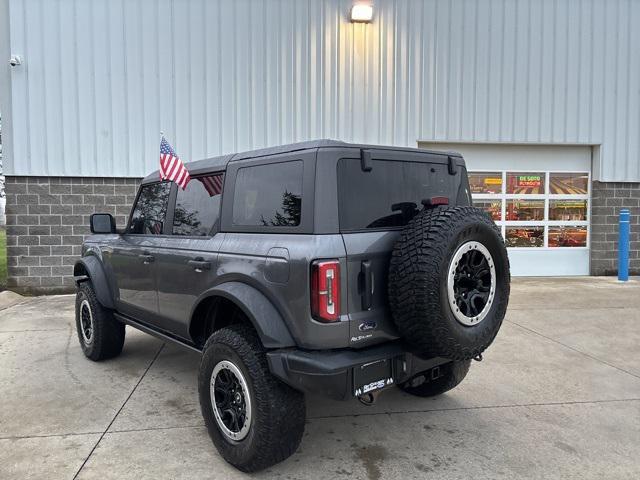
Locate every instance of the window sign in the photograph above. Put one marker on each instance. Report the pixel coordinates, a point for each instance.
(525, 210)
(485, 182)
(525, 183)
(568, 210)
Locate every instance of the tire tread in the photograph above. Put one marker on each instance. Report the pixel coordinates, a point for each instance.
(279, 413)
(108, 333)
(415, 282)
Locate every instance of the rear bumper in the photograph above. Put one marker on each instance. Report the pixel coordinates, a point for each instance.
(345, 373)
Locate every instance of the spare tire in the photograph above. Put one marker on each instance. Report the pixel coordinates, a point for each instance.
(449, 282)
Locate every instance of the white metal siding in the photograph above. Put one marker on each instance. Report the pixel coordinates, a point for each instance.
(101, 78)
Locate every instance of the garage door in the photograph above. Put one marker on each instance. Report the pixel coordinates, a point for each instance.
(540, 198)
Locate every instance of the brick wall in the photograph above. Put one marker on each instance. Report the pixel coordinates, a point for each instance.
(48, 218)
(47, 221)
(607, 200)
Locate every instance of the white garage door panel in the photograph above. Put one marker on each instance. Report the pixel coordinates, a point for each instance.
(548, 262)
(520, 157)
(518, 208)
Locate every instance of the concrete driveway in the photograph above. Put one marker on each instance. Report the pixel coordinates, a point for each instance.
(557, 396)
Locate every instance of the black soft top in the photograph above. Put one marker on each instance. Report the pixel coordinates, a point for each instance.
(219, 164)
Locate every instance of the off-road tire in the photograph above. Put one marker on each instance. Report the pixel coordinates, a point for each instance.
(108, 333)
(451, 374)
(278, 411)
(418, 275)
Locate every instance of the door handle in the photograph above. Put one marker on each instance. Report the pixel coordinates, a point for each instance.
(146, 259)
(199, 265)
(366, 284)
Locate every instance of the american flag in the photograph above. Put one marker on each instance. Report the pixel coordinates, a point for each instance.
(171, 167)
(212, 184)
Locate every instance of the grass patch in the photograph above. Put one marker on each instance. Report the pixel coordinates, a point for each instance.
(3, 258)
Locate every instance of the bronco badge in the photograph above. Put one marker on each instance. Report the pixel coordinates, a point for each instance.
(368, 325)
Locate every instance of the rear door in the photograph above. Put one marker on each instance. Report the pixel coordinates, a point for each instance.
(378, 195)
(187, 257)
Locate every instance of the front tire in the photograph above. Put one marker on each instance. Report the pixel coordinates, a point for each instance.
(101, 336)
(449, 376)
(253, 419)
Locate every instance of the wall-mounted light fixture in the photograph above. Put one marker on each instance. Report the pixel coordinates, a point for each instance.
(361, 12)
(15, 60)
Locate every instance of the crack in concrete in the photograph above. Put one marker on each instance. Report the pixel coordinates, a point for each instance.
(36, 330)
(119, 410)
(574, 349)
(49, 435)
(480, 407)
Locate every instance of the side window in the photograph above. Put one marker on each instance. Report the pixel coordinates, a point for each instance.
(269, 195)
(198, 206)
(149, 213)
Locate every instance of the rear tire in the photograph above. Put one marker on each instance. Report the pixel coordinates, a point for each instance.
(255, 420)
(101, 336)
(451, 374)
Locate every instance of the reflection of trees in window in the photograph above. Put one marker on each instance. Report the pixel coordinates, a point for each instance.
(186, 223)
(290, 217)
(150, 209)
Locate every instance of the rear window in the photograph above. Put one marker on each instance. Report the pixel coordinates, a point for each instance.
(269, 195)
(390, 194)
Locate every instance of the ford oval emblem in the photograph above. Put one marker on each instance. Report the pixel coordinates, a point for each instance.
(366, 326)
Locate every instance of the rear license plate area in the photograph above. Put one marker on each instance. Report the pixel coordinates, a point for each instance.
(372, 376)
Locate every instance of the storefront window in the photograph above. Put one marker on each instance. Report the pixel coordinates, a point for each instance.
(485, 182)
(525, 210)
(525, 236)
(568, 183)
(567, 236)
(492, 207)
(535, 209)
(525, 183)
(568, 210)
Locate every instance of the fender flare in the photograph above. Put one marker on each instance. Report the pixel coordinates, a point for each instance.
(95, 272)
(260, 311)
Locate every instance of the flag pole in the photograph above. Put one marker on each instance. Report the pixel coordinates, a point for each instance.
(161, 137)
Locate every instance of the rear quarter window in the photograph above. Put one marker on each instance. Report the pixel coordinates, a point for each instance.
(390, 194)
(269, 195)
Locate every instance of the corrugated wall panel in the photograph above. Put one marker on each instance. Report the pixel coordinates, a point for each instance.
(102, 78)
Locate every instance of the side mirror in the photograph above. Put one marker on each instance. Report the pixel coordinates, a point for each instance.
(102, 223)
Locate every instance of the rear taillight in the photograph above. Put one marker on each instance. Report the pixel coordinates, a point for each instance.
(325, 290)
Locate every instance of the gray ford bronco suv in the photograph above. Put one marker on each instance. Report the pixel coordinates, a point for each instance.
(320, 268)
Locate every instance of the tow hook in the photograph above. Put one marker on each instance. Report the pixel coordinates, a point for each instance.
(369, 399)
(478, 358)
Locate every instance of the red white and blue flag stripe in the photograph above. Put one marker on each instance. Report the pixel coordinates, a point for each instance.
(212, 184)
(171, 167)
